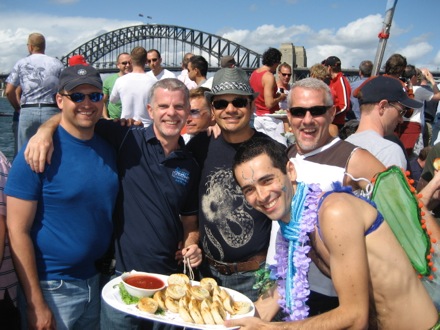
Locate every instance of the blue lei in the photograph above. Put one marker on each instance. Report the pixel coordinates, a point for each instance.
(292, 249)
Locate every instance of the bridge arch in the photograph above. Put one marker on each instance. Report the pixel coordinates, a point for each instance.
(172, 42)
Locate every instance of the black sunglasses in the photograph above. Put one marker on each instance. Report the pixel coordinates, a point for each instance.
(317, 110)
(79, 97)
(152, 60)
(286, 74)
(126, 62)
(239, 102)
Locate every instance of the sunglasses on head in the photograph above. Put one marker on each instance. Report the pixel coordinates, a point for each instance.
(152, 60)
(317, 110)
(79, 97)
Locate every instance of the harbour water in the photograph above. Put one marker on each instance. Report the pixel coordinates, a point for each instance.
(6, 136)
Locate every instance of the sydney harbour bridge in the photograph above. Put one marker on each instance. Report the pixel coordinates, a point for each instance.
(173, 42)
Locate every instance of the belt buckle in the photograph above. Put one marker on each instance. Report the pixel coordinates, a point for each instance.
(222, 268)
(227, 270)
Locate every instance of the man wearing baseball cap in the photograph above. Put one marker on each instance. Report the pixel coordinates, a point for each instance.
(383, 104)
(341, 89)
(60, 220)
(77, 59)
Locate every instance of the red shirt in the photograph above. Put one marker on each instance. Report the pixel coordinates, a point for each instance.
(256, 82)
(341, 91)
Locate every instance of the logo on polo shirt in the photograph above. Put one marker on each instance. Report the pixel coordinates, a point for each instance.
(181, 176)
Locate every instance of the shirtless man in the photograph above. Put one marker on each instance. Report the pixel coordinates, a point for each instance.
(368, 266)
(321, 158)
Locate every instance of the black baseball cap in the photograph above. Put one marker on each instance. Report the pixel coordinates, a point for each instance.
(332, 61)
(378, 88)
(74, 76)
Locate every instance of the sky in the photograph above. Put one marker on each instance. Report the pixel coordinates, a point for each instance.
(344, 28)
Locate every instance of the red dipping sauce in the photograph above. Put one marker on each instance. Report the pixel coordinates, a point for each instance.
(144, 282)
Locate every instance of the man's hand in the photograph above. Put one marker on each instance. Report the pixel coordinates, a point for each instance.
(192, 253)
(128, 122)
(39, 150)
(41, 318)
(214, 130)
(246, 323)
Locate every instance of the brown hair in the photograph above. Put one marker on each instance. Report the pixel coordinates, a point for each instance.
(37, 41)
(138, 56)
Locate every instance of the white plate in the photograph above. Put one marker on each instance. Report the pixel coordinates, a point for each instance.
(276, 115)
(110, 294)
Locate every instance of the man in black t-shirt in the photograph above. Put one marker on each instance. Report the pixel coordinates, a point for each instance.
(233, 236)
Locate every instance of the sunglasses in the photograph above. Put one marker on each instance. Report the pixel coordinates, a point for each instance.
(79, 97)
(152, 60)
(126, 63)
(403, 112)
(317, 110)
(286, 74)
(239, 102)
(195, 113)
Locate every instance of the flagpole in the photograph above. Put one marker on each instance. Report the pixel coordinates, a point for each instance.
(383, 36)
(148, 18)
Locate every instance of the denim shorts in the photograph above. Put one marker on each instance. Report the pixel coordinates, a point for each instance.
(74, 304)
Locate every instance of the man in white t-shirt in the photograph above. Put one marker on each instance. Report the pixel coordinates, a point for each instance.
(154, 61)
(183, 76)
(133, 88)
(383, 104)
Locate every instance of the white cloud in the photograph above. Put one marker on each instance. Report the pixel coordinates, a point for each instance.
(437, 59)
(415, 51)
(63, 34)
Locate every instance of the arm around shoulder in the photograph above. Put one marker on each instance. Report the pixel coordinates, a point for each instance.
(39, 149)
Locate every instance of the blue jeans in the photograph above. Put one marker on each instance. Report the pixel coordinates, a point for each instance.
(242, 282)
(30, 120)
(74, 304)
(112, 319)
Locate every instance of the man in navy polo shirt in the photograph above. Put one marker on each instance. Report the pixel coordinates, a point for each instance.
(156, 210)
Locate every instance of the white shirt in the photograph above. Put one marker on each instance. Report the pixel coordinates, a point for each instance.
(162, 75)
(132, 90)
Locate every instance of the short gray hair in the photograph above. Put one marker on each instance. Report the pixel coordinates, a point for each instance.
(313, 83)
(171, 84)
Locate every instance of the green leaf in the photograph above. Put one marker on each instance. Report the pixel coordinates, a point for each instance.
(126, 297)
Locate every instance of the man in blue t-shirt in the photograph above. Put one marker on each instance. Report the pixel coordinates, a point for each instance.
(156, 210)
(60, 220)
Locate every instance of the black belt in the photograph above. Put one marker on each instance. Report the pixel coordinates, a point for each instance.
(39, 105)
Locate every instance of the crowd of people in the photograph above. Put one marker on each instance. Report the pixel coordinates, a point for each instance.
(157, 172)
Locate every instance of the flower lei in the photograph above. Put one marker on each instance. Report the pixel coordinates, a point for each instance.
(292, 249)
